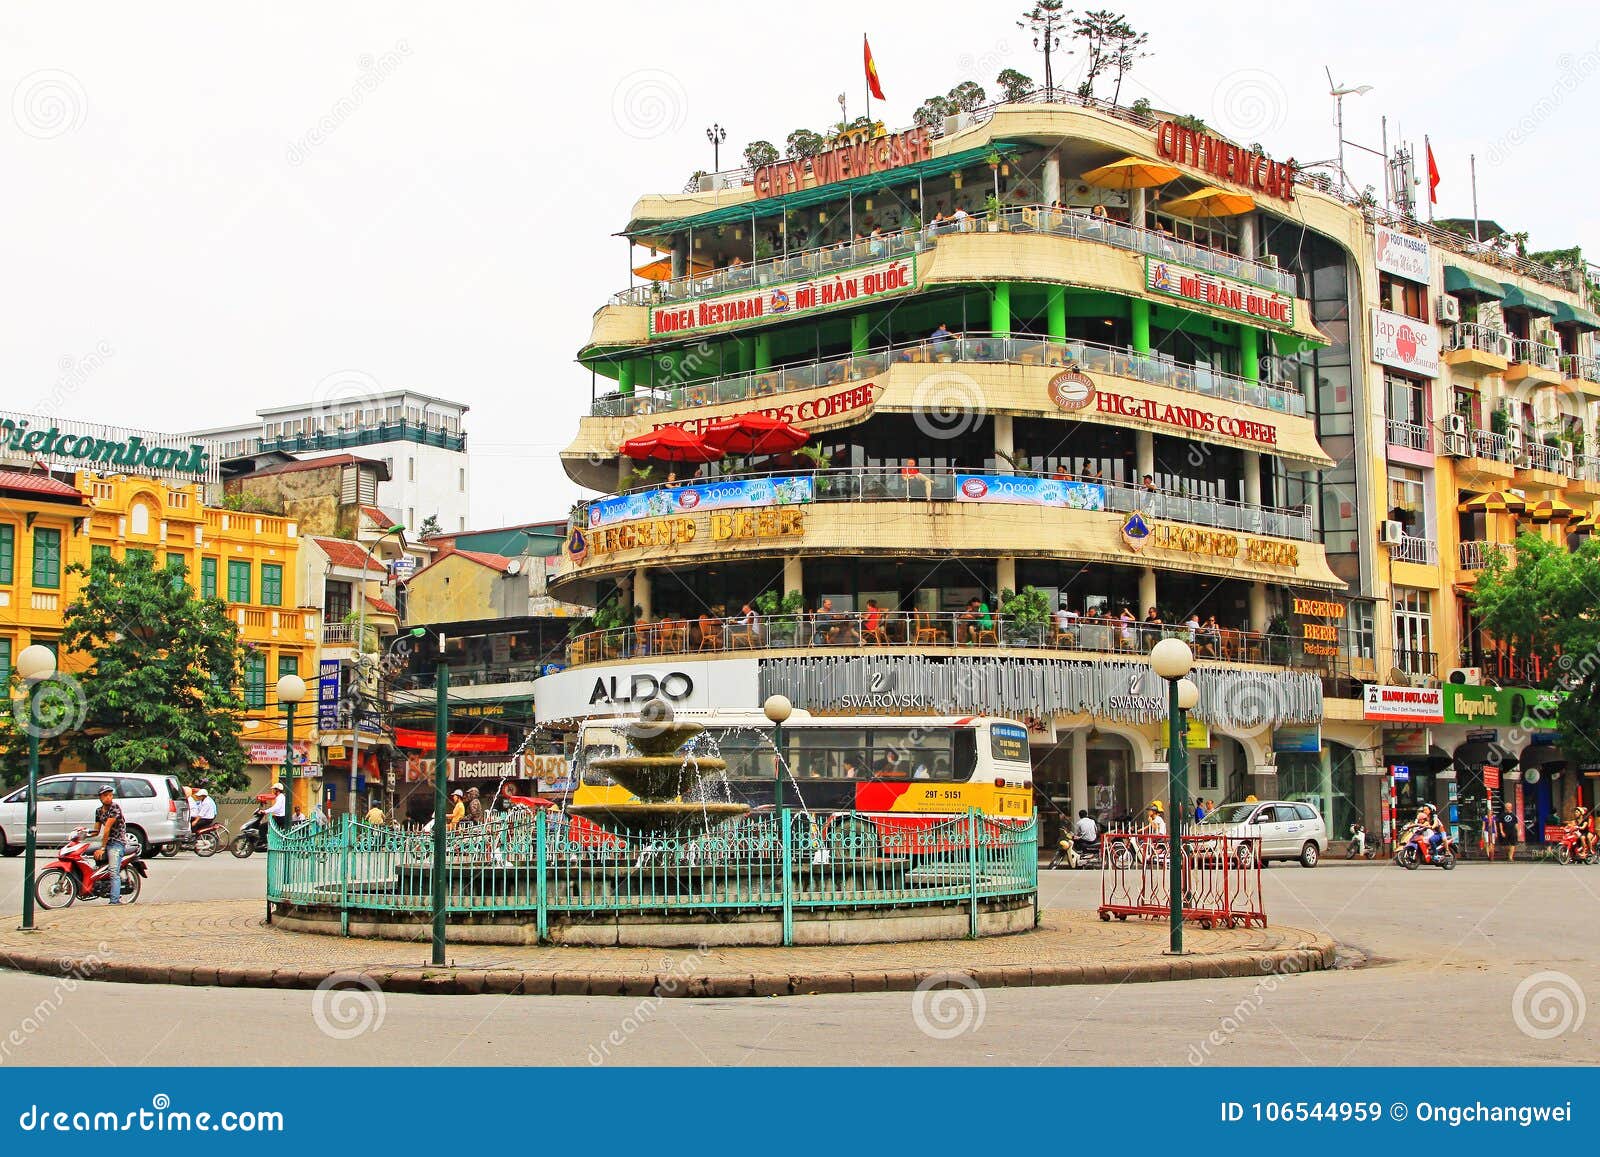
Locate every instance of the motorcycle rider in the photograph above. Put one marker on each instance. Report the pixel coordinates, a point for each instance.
(279, 808)
(1155, 821)
(1583, 823)
(202, 810)
(1430, 831)
(110, 832)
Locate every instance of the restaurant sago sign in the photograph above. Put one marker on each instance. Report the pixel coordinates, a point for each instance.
(1203, 288)
(856, 159)
(789, 299)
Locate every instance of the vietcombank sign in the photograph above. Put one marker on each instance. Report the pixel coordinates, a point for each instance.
(101, 448)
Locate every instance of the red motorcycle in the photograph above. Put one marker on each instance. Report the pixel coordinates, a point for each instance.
(75, 875)
(1570, 847)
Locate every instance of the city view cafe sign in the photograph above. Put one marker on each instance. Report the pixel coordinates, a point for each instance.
(1224, 160)
(857, 158)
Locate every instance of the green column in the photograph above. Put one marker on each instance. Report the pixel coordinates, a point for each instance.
(763, 351)
(1249, 354)
(860, 329)
(1141, 325)
(625, 376)
(1056, 312)
(1000, 308)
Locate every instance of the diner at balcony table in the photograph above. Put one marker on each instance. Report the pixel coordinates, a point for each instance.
(911, 476)
(1150, 630)
(1208, 638)
(977, 624)
(1066, 628)
(745, 631)
(1127, 639)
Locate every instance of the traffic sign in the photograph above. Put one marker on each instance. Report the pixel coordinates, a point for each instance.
(1401, 773)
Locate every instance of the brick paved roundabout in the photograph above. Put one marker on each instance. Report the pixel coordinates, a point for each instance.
(228, 944)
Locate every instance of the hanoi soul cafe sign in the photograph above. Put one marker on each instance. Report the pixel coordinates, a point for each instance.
(790, 299)
(1203, 288)
(1392, 704)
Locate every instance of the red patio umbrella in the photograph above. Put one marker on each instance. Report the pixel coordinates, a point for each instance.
(754, 433)
(669, 444)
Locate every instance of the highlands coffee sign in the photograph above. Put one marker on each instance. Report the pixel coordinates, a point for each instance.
(1225, 161)
(856, 159)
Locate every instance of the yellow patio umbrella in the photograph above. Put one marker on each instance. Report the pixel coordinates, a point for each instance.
(1551, 510)
(1210, 202)
(1584, 525)
(661, 269)
(1131, 173)
(1494, 502)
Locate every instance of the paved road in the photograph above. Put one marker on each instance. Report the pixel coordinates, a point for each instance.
(1448, 953)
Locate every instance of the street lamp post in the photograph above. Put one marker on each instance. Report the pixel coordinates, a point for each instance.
(361, 643)
(34, 665)
(716, 134)
(1172, 660)
(291, 693)
(777, 708)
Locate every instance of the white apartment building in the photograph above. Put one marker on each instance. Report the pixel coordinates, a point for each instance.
(419, 437)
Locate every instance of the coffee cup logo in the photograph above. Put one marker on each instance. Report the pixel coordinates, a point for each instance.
(1071, 390)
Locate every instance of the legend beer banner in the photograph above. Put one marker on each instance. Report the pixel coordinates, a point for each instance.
(789, 299)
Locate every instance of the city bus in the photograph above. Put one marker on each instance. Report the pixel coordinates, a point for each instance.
(865, 777)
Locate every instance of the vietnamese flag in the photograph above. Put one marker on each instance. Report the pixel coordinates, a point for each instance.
(872, 69)
(1433, 175)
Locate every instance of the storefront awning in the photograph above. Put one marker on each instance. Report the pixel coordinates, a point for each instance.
(1575, 315)
(1459, 281)
(832, 191)
(1518, 298)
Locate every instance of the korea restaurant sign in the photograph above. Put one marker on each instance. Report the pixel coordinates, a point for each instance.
(788, 299)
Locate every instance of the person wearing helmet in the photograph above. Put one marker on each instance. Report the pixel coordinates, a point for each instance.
(1155, 819)
(1430, 831)
(278, 809)
(202, 810)
(1584, 822)
(458, 809)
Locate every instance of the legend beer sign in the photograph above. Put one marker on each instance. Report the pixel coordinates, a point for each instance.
(1203, 288)
(1319, 625)
(790, 299)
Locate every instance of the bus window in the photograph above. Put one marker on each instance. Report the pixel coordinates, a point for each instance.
(824, 752)
(749, 754)
(916, 753)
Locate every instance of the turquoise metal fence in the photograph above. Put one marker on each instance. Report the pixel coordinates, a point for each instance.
(544, 866)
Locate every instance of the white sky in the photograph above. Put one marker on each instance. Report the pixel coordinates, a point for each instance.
(178, 252)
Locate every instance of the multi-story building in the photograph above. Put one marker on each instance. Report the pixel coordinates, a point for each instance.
(250, 561)
(420, 439)
(1015, 371)
(1490, 381)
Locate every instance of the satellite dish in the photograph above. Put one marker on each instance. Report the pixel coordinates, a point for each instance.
(514, 566)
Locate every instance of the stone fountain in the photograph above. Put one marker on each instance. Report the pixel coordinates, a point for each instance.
(664, 783)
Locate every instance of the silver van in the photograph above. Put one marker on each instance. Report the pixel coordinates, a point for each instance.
(153, 806)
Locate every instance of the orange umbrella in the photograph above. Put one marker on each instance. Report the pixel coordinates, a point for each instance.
(1551, 510)
(1131, 173)
(661, 269)
(753, 433)
(1210, 202)
(669, 444)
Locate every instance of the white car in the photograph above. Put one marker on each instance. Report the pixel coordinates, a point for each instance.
(1287, 830)
(153, 806)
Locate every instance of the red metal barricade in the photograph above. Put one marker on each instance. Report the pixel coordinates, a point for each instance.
(1221, 878)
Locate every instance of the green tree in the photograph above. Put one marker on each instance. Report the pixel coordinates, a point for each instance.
(430, 526)
(803, 143)
(966, 96)
(163, 688)
(1111, 45)
(932, 112)
(758, 153)
(1014, 85)
(1045, 20)
(1546, 602)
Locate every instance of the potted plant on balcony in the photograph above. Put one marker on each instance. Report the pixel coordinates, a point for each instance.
(820, 462)
(1499, 420)
(780, 614)
(991, 210)
(1025, 614)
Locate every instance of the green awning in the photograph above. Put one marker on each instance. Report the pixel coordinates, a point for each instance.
(834, 190)
(1518, 298)
(1575, 315)
(1458, 280)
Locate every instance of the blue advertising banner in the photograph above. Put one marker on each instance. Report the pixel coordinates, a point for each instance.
(668, 500)
(1030, 491)
(1316, 1109)
(328, 695)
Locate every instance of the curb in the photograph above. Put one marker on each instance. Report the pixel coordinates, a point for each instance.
(449, 981)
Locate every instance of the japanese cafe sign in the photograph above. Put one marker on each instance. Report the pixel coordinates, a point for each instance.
(1202, 288)
(856, 159)
(789, 299)
(1225, 161)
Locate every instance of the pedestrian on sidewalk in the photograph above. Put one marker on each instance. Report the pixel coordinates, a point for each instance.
(474, 806)
(1506, 823)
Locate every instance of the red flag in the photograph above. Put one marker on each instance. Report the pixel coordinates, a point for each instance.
(872, 69)
(1433, 175)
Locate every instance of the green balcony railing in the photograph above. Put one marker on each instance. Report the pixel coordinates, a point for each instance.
(543, 866)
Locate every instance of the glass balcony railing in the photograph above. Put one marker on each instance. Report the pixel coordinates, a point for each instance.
(889, 484)
(843, 255)
(922, 629)
(1156, 369)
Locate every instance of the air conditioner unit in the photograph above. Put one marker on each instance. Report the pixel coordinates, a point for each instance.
(712, 182)
(1393, 532)
(1514, 439)
(1455, 445)
(955, 123)
(1466, 676)
(1270, 260)
(1566, 453)
(1456, 425)
(1449, 308)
